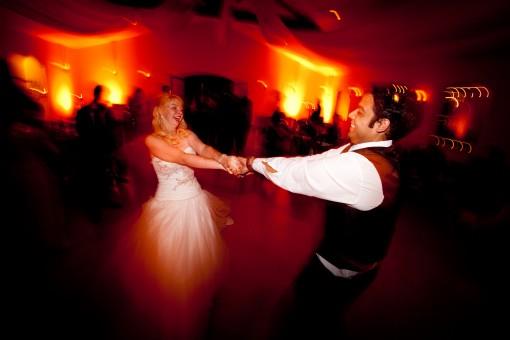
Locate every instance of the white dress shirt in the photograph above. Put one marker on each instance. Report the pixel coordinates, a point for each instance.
(340, 177)
(347, 177)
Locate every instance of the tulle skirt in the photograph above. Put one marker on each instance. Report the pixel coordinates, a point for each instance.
(172, 259)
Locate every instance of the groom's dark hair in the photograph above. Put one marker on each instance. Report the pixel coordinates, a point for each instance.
(400, 106)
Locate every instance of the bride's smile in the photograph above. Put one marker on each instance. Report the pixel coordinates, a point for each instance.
(174, 113)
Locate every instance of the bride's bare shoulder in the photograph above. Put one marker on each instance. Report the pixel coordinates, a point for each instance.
(153, 140)
(155, 137)
(157, 143)
(149, 139)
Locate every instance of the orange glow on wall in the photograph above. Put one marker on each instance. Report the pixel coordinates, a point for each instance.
(30, 70)
(325, 70)
(115, 94)
(460, 122)
(344, 102)
(33, 70)
(30, 74)
(460, 126)
(310, 79)
(61, 92)
(16, 64)
(292, 101)
(327, 100)
(89, 40)
(111, 65)
(64, 100)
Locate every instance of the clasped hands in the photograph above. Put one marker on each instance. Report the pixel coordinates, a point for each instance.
(235, 165)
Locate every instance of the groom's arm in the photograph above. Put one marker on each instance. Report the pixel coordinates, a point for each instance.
(248, 162)
(331, 177)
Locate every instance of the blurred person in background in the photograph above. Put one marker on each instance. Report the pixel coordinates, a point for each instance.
(31, 207)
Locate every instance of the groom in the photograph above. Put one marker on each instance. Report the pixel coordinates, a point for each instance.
(360, 181)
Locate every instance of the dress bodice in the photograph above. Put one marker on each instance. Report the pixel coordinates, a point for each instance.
(175, 181)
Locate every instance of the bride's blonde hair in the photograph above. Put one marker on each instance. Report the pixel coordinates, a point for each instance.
(160, 123)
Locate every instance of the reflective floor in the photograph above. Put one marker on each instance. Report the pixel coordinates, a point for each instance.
(437, 282)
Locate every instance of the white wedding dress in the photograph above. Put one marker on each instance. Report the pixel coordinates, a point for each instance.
(170, 263)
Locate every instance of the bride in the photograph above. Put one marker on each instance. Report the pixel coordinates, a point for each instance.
(177, 243)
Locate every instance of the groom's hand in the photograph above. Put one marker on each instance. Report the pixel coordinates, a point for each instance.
(244, 170)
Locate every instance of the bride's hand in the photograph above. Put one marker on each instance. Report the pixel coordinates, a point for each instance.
(245, 169)
(229, 163)
(234, 165)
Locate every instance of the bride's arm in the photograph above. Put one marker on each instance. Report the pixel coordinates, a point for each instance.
(231, 163)
(202, 149)
(166, 152)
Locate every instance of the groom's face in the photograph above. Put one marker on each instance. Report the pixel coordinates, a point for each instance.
(361, 130)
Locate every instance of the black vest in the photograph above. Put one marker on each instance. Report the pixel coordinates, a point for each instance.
(355, 239)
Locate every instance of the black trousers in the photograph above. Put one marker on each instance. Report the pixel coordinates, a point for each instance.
(320, 300)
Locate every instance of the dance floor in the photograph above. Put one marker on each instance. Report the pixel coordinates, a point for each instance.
(430, 286)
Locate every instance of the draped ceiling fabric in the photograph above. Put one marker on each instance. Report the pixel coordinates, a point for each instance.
(59, 21)
(78, 24)
(432, 29)
(80, 17)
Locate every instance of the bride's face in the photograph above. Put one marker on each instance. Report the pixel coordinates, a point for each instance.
(173, 113)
